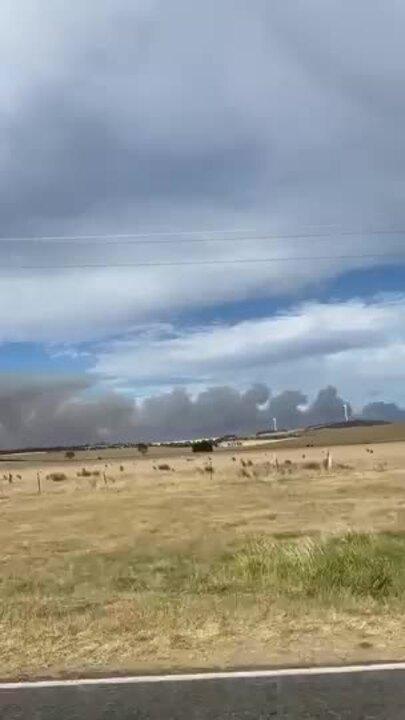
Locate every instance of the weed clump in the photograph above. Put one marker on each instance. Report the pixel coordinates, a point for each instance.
(337, 568)
(312, 465)
(88, 473)
(84, 473)
(56, 477)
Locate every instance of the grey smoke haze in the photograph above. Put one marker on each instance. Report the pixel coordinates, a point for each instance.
(45, 412)
(383, 411)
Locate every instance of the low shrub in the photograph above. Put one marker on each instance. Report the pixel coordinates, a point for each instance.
(312, 465)
(202, 446)
(84, 473)
(56, 477)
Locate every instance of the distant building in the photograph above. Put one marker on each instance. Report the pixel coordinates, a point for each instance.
(229, 443)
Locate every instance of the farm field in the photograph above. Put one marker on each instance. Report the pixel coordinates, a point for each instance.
(124, 563)
(392, 432)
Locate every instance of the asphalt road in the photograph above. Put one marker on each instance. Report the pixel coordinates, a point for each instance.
(357, 693)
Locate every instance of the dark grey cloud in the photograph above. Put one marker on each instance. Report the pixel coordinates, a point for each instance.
(133, 112)
(240, 106)
(87, 165)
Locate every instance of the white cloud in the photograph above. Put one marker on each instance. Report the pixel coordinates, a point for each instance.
(357, 345)
(68, 306)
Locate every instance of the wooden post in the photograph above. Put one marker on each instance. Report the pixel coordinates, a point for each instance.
(39, 482)
(328, 462)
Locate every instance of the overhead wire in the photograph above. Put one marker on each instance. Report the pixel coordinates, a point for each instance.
(183, 236)
(214, 261)
(199, 237)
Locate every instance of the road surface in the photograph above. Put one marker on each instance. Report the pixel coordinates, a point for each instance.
(374, 692)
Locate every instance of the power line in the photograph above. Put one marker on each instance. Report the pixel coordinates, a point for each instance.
(187, 263)
(120, 236)
(149, 234)
(204, 236)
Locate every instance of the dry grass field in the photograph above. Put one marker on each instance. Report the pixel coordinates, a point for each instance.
(393, 432)
(130, 563)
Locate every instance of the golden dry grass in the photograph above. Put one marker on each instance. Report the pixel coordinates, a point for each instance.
(390, 433)
(100, 576)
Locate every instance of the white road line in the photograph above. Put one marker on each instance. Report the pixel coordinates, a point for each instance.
(131, 680)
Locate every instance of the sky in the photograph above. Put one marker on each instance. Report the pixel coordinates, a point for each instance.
(201, 214)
